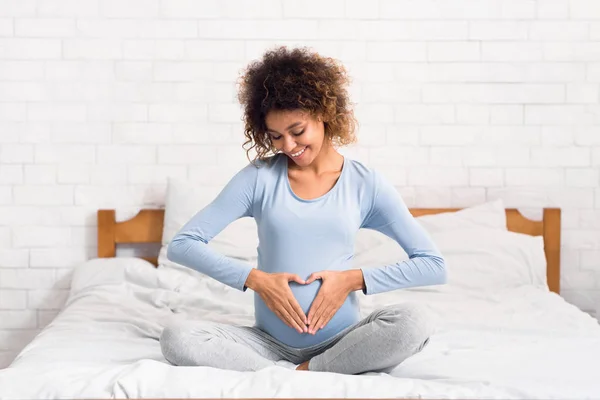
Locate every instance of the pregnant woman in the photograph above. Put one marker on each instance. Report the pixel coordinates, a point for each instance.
(308, 201)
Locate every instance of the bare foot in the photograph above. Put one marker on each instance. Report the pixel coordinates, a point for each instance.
(303, 366)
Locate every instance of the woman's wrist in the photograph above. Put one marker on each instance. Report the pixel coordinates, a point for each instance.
(355, 279)
(253, 279)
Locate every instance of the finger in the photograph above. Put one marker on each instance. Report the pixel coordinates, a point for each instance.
(318, 323)
(313, 277)
(314, 308)
(314, 326)
(328, 315)
(292, 323)
(295, 278)
(297, 320)
(298, 310)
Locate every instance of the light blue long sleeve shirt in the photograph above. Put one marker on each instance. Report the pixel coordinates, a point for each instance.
(304, 236)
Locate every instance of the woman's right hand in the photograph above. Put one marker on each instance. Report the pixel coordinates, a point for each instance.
(274, 290)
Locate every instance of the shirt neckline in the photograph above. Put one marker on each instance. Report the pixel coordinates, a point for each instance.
(323, 196)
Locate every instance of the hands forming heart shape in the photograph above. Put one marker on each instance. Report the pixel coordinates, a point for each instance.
(275, 291)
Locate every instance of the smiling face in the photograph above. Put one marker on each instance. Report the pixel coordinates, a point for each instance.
(297, 134)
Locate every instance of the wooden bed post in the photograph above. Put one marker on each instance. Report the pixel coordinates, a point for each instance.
(552, 247)
(107, 246)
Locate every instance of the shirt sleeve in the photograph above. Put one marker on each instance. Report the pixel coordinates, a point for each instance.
(189, 247)
(390, 215)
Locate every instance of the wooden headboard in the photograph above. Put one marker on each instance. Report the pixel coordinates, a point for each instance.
(147, 227)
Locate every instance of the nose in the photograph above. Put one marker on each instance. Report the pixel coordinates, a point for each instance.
(289, 144)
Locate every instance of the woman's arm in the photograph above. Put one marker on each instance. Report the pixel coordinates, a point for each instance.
(189, 246)
(389, 215)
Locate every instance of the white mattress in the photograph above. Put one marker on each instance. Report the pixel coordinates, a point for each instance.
(520, 343)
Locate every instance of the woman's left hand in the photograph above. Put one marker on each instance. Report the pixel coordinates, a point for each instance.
(336, 286)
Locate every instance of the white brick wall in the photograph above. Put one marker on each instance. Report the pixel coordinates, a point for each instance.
(101, 100)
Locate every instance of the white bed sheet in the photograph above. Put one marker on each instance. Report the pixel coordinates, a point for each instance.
(519, 343)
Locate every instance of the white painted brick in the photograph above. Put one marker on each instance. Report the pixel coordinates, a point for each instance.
(431, 9)
(80, 70)
(133, 70)
(432, 196)
(56, 112)
(597, 196)
(72, 153)
(26, 278)
(582, 177)
(17, 319)
(396, 51)
(449, 135)
(589, 219)
(412, 30)
(19, 48)
(558, 30)
(16, 153)
(359, 9)
(553, 9)
(496, 93)
(107, 196)
(286, 29)
(372, 135)
(510, 135)
(124, 154)
(203, 133)
(488, 177)
(155, 173)
(18, 8)
(498, 30)
(554, 72)
(404, 135)
(426, 114)
(14, 258)
(453, 51)
(511, 51)
(472, 114)
(534, 177)
(40, 236)
(583, 93)
(72, 173)
(20, 70)
(215, 50)
(580, 239)
(585, 280)
(375, 113)
(11, 174)
(141, 133)
(313, 9)
(190, 9)
(83, 236)
(57, 257)
(184, 71)
(224, 113)
(67, 8)
(45, 27)
(432, 176)
(506, 114)
(13, 299)
(6, 196)
(47, 299)
(574, 115)
(42, 215)
(94, 49)
(43, 195)
(132, 8)
(117, 112)
(583, 9)
(395, 155)
(446, 156)
(590, 260)
(465, 197)
(177, 113)
(557, 136)
(6, 27)
(391, 93)
(5, 237)
(560, 157)
(42, 174)
(571, 51)
(184, 154)
(518, 9)
(596, 156)
(574, 197)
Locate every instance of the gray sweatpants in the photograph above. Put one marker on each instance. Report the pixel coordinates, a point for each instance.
(378, 343)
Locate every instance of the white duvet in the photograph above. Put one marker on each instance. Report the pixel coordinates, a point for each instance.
(522, 342)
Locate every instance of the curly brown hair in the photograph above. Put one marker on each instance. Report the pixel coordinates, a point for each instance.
(295, 79)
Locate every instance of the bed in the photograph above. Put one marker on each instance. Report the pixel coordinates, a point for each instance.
(515, 337)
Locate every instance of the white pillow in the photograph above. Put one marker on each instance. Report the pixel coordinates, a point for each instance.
(477, 259)
(491, 214)
(183, 200)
